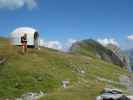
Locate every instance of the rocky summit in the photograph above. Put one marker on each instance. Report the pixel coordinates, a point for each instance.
(94, 49)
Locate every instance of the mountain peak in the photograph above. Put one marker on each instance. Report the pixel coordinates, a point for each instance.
(90, 47)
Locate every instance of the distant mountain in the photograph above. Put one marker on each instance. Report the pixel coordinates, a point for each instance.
(96, 50)
(130, 55)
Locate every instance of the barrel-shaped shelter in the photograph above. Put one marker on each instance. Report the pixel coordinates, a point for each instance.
(32, 36)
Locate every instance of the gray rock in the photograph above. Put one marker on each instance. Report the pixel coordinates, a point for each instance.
(31, 96)
(65, 83)
(127, 81)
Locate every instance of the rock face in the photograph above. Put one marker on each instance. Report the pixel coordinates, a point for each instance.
(130, 55)
(96, 50)
(119, 53)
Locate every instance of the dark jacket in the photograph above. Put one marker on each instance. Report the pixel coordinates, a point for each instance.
(23, 39)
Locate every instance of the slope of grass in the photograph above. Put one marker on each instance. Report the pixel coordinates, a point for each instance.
(45, 69)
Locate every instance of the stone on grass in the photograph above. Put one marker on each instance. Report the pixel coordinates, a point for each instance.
(65, 83)
(31, 96)
(82, 72)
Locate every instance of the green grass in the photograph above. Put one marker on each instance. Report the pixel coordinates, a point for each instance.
(45, 69)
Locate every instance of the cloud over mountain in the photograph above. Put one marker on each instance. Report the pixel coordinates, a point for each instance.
(14, 4)
(130, 37)
(107, 41)
(57, 44)
(53, 44)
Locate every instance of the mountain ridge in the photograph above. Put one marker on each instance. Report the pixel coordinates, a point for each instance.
(92, 48)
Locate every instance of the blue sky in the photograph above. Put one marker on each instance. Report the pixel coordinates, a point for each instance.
(71, 19)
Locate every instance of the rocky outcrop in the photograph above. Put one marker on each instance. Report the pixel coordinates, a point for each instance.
(94, 49)
(2, 60)
(120, 54)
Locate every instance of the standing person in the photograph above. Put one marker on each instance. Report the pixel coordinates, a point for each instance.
(24, 43)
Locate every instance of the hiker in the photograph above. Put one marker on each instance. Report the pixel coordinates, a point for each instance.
(24, 43)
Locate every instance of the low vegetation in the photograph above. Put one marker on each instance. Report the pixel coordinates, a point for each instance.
(45, 69)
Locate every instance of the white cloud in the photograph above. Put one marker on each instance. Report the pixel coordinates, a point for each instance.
(107, 41)
(53, 44)
(130, 37)
(69, 43)
(57, 44)
(14, 4)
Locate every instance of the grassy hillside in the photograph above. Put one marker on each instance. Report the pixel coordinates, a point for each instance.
(45, 69)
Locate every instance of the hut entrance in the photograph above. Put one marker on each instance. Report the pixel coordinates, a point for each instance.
(36, 37)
